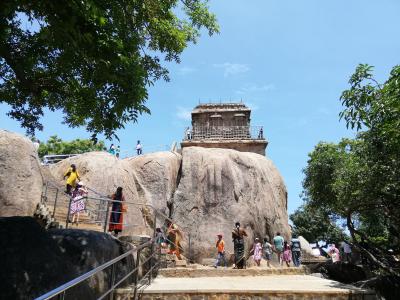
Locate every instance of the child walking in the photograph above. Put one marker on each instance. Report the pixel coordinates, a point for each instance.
(257, 252)
(287, 254)
(220, 245)
(267, 251)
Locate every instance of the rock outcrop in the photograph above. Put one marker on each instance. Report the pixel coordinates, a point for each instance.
(86, 250)
(20, 177)
(31, 261)
(147, 180)
(205, 190)
(156, 176)
(219, 187)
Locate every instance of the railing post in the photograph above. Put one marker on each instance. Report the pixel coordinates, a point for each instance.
(55, 203)
(136, 274)
(106, 217)
(152, 249)
(61, 296)
(69, 211)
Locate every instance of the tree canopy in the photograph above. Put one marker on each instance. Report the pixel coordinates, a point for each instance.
(358, 179)
(315, 225)
(55, 145)
(93, 60)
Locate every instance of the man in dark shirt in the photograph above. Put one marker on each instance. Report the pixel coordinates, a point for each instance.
(296, 251)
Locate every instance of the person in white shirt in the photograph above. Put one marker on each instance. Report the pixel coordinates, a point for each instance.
(347, 251)
(36, 144)
(138, 148)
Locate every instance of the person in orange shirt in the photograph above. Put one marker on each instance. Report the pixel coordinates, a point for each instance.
(220, 245)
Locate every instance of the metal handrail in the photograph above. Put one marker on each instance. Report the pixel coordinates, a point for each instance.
(222, 132)
(87, 275)
(62, 289)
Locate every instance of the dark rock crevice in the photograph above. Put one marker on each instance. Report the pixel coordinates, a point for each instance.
(170, 201)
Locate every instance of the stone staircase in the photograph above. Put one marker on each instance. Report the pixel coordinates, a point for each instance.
(251, 283)
(53, 214)
(205, 283)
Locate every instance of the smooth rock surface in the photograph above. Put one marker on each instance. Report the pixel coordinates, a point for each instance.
(20, 177)
(34, 261)
(31, 261)
(148, 179)
(156, 179)
(87, 250)
(221, 186)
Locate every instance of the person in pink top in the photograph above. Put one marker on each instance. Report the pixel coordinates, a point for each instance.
(287, 254)
(334, 253)
(257, 252)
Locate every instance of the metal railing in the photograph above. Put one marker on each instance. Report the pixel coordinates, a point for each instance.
(224, 133)
(55, 158)
(62, 291)
(152, 262)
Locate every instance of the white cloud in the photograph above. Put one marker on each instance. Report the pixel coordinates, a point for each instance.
(186, 70)
(184, 113)
(232, 68)
(254, 88)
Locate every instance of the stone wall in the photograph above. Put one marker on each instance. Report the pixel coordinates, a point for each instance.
(255, 146)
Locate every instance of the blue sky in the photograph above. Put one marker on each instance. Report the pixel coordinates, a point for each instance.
(288, 60)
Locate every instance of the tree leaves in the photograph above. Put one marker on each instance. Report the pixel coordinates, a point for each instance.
(359, 179)
(55, 145)
(93, 60)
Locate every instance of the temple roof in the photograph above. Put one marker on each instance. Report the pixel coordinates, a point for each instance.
(220, 107)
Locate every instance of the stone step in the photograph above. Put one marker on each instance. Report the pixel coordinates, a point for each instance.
(250, 287)
(200, 271)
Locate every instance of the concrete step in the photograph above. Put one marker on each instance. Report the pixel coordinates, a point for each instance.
(200, 271)
(251, 287)
(84, 226)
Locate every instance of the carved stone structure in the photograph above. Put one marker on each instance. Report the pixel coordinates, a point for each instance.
(224, 125)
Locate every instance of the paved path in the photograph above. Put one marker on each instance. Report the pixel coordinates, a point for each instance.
(253, 284)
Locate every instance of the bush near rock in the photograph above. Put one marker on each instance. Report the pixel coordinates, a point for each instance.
(34, 261)
(20, 177)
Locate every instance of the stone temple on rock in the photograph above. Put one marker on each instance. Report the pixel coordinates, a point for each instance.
(224, 125)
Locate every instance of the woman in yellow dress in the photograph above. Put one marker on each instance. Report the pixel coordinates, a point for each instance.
(72, 177)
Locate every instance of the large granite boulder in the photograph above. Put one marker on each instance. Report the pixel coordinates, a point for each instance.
(87, 250)
(103, 173)
(156, 177)
(34, 261)
(20, 177)
(148, 181)
(221, 186)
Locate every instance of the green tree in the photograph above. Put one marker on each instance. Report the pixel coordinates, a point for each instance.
(55, 145)
(315, 225)
(93, 60)
(359, 179)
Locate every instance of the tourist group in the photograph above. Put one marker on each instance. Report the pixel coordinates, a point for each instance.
(286, 252)
(116, 150)
(78, 193)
